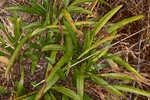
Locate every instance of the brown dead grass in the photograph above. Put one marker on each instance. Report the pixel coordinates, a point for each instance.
(135, 50)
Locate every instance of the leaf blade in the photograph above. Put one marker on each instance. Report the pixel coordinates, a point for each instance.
(67, 92)
(104, 84)
(104, 20)
(54, 47)
(123, 63)
(70, 21)
(132, 90)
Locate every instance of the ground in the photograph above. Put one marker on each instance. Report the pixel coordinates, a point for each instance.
(135, 49)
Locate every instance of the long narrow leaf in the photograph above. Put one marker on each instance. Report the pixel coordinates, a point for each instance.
(51, 62)
(79, 10)
(35, 59)
(70, 21)
(123, 22)
(80, 82)
(96, 44)
(105, 2)
(53, 47)
(64, 97)
(31, 25)
(20, 86)
(2, 90)
(52, 96)
(104, 20)
(104, 84)
(64, 59)
(67, 56)
(120, 76)
(17, 30)
(132, 90)
(38, 8)
(16, 53)
(124, 64)
(84, 23)
(80, 1)
(49, 84)
(67, 92)
(42, 29)
(47, 97)
(23, 9)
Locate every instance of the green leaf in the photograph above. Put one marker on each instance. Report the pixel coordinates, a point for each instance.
(87, 41)
(99, 53)
(84, 23)
(124, 64)
(47, 97)
(118, 25)
(2, 90)
(23, 9)
(46, 4)
(52, 96)
(42, 29)
(71, 22)
(64, 59)
(35, 8)
(6, 37)
(104, 84)
(76, 2)
(17, 30)
(120, 76)
(53, 77)
(132, 90)
(20, 8)
(80, 82)
(35, 59)
(66, 2)
(28, 98)
(64, 97)
(67, 92)
(105, 2)
(16, 53)
(20, 86)
(52, 61)
(38, 30)
(55, 47)
(104, 20)
(31, 25)
(72, 33)
(96, 44)
(86, 97)
(79, 10)
(49, 84)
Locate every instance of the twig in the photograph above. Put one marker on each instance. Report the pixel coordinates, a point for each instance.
(38, 83)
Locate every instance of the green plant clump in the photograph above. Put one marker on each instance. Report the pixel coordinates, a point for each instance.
(63, 34)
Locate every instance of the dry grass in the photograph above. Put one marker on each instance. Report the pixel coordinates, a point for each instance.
(135, 49)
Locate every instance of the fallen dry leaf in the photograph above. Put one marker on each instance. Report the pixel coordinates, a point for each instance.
(4, 60)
